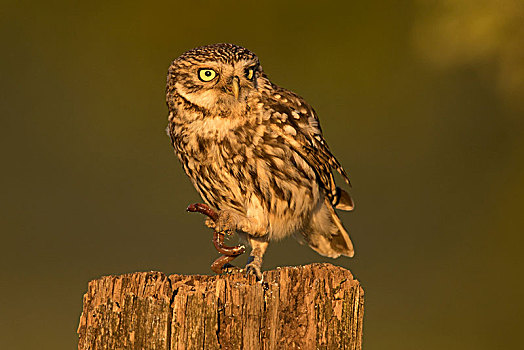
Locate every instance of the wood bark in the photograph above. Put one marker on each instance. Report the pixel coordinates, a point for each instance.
(318, 306)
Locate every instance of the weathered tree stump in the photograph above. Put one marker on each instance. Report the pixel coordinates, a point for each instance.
(318, 306)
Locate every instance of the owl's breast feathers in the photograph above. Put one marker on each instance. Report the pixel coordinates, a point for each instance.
(275, 151)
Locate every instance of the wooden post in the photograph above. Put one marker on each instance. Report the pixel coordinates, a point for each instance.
(318, 306)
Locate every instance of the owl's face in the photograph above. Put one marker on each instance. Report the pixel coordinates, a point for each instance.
(220, 76)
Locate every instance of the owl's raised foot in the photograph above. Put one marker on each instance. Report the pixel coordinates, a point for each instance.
(225, 220)
(228, 221)
(221, 264)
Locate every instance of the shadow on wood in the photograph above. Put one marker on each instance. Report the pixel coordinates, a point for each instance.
(318, 306)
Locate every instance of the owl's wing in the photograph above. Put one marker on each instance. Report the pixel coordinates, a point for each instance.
(298, 124)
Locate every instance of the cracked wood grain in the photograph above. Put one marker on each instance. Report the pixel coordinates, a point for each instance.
(318, 306)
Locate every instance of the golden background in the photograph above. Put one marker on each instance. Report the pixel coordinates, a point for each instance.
(422, 101)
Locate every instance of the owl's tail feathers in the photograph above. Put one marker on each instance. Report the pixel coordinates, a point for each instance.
(326, 234)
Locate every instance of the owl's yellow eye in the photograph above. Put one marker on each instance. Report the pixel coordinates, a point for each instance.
(206, 74)
(250, 72)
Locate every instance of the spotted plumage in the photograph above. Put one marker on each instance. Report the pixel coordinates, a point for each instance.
(255, 152)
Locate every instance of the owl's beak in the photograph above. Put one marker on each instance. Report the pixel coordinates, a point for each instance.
(236, 86)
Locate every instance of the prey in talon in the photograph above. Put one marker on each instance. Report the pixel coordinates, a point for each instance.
(255, 153)
(228, 253)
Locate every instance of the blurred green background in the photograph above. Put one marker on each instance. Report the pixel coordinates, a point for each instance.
(423, 103)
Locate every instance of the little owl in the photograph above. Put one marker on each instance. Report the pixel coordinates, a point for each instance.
(255, 153)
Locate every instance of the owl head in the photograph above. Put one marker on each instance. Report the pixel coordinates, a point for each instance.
(219, 76)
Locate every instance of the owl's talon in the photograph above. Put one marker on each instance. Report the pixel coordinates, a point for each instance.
(254, 269)
(210, 223)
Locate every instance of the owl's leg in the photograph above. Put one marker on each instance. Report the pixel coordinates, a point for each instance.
(254, 262)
